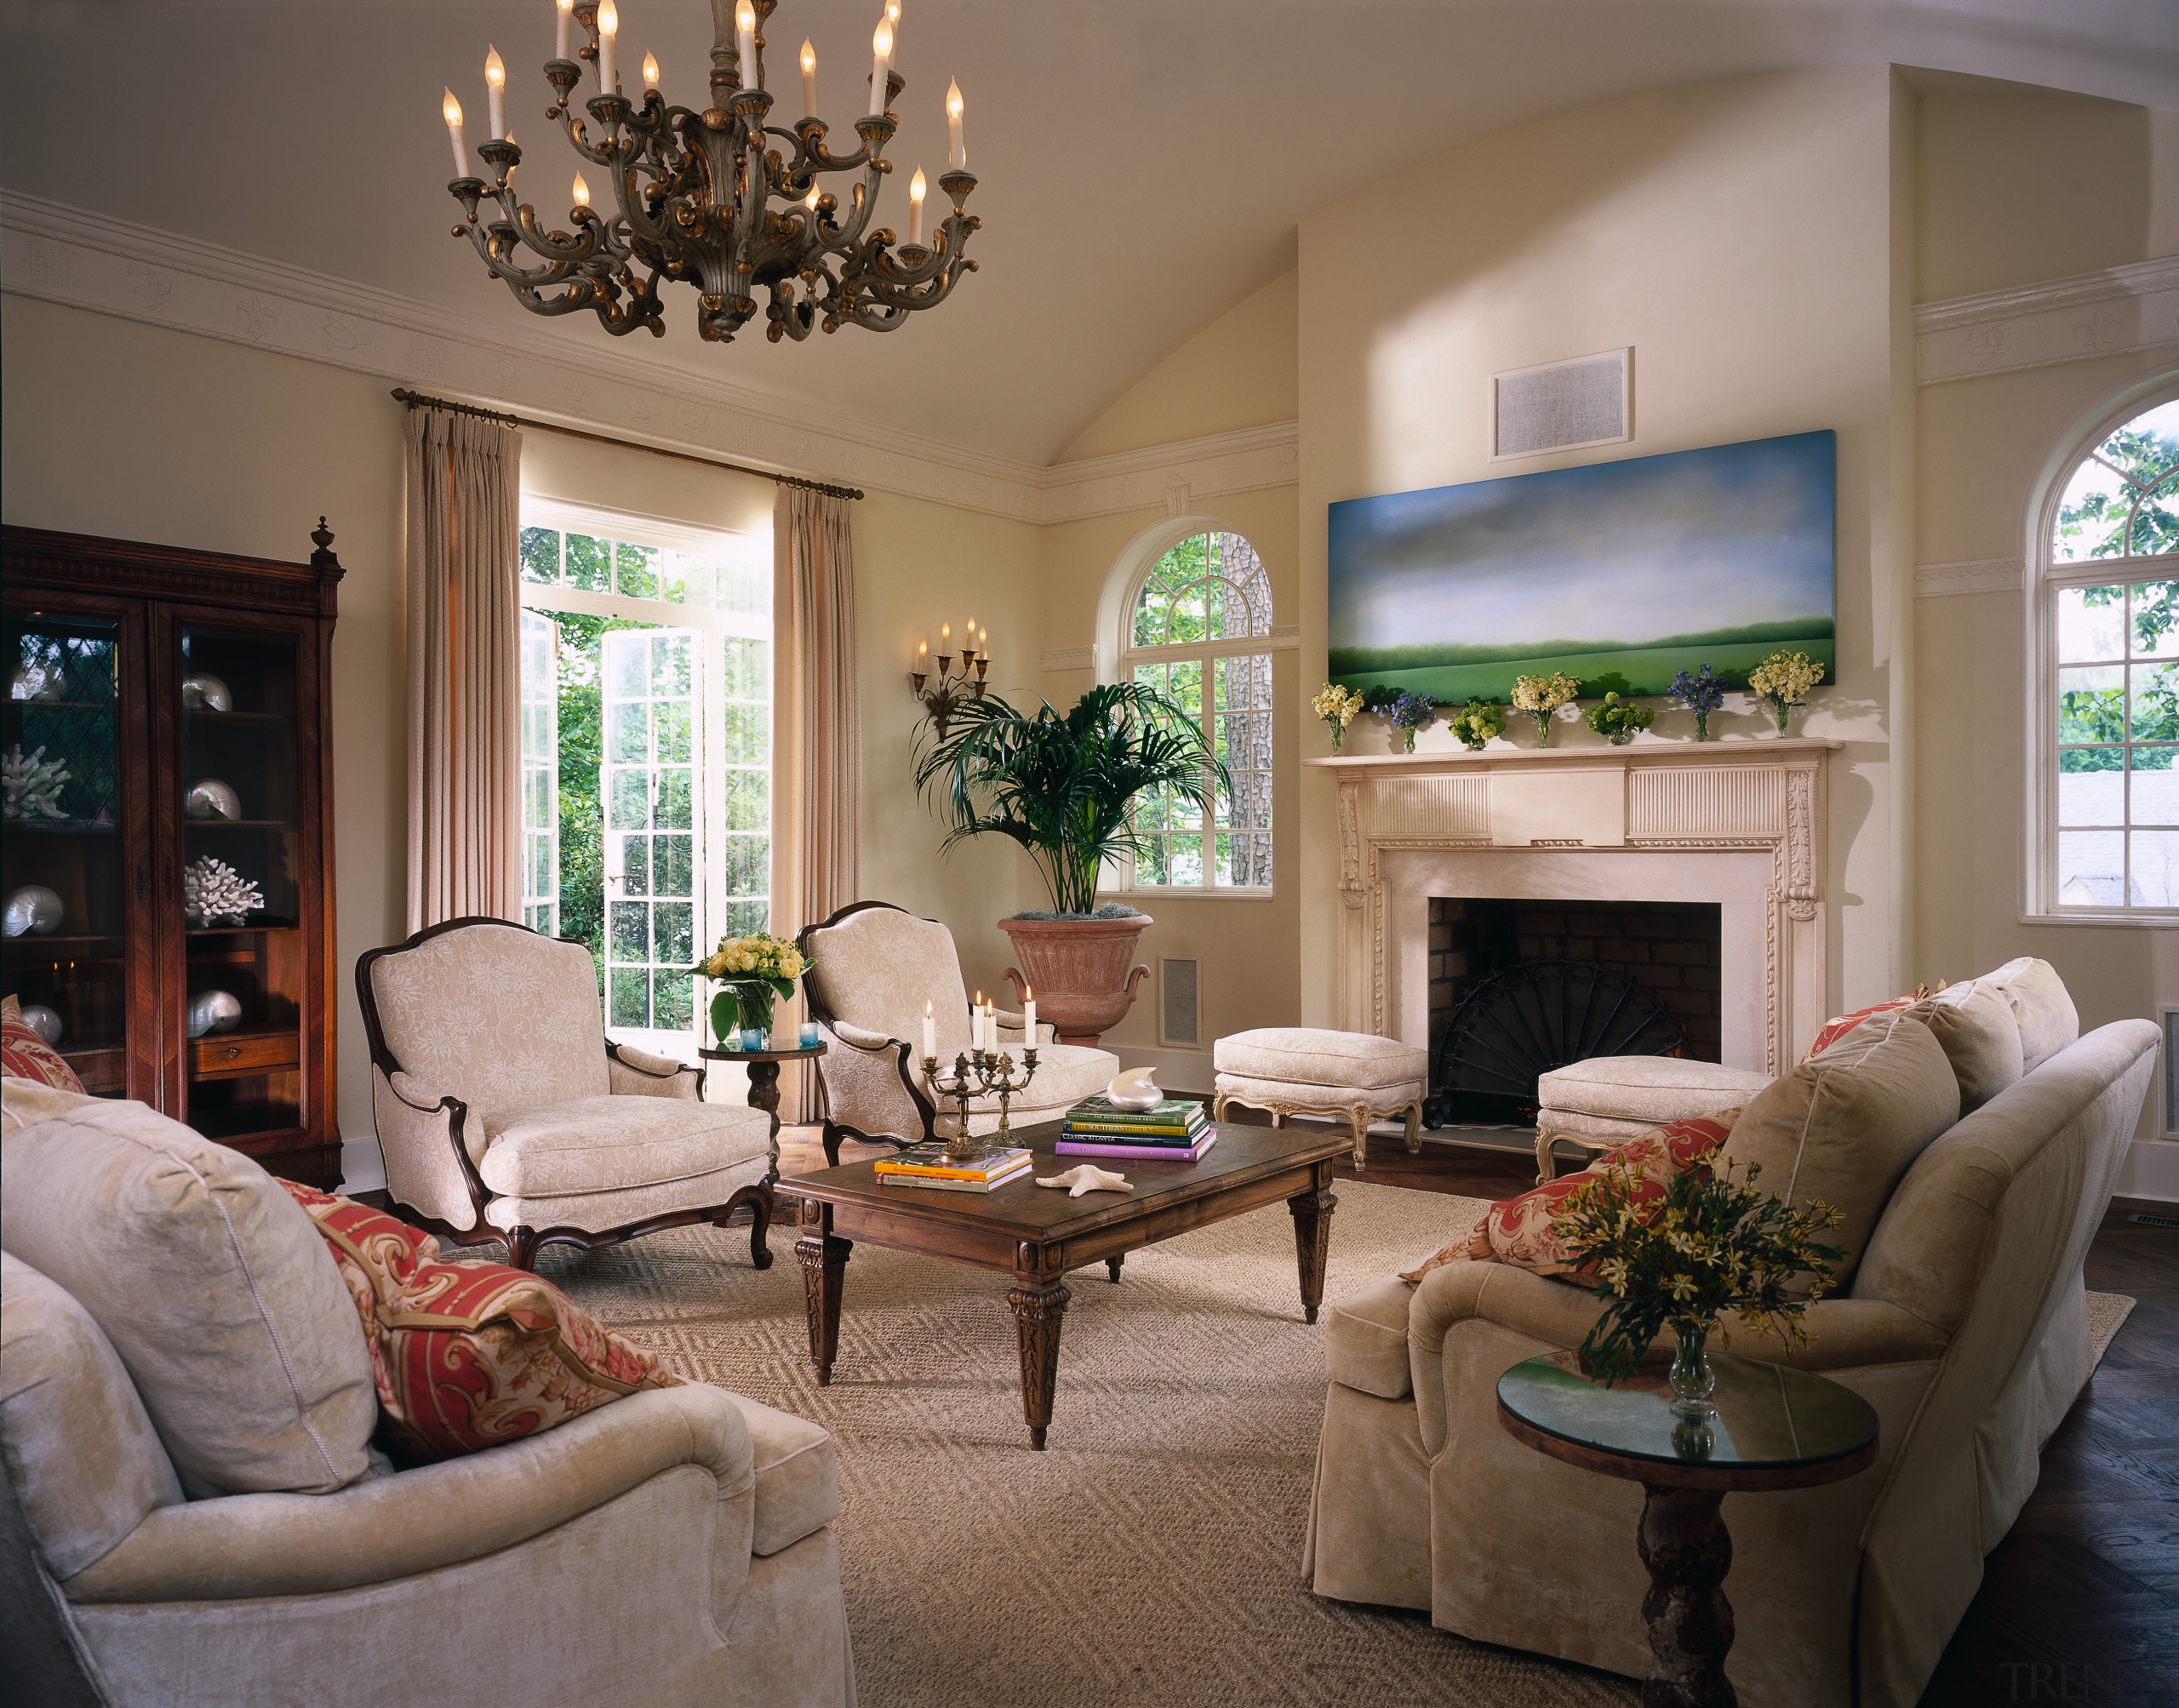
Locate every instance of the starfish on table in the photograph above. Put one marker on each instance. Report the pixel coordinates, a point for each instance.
(1084, 1178)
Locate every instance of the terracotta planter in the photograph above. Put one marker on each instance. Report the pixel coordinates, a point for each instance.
(1079, 970)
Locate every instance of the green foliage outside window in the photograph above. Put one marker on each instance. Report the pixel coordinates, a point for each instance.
(582, 820)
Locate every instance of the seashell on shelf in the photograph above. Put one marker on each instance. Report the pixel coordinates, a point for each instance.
(202, 691)
(43, 1021)
(33, 910)
(214, 1011)
(210, 798)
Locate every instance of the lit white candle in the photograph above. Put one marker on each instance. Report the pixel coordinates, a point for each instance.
(609, 36)
(956, 153)
(650, 74)
(930, 1033)
(495, 91)
(1029, 1013)
(450, 109)
(563, 12)
(745, 42)
(582, 191)
(917, 190)
(881, 53)
(808, 79)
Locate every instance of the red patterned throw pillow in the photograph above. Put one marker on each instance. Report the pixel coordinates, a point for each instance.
(1522, 1231)
(469, 1355)
(1834, 1030)
(24, 1055)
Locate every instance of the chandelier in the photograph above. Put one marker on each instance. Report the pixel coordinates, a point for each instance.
(717, 199)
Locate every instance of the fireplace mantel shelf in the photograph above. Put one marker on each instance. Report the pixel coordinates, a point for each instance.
(1728, 752)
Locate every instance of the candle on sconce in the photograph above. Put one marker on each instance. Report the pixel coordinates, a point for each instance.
(608, 41)
(930, 1033)
(956, 151)
(745, 42)
(923, 658)
(945, 639)
(1029, 1015)
(917, 190)
(983, 641)
(450, 110)
(881, 54)
(495, 91)
(582, 191)
(650, 74)
(563, 12)
(808, 79)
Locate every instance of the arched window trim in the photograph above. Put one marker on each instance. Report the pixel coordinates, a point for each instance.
(2045, 578)
(1116, 656)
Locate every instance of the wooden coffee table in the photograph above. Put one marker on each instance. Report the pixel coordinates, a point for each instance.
(1037, 1234)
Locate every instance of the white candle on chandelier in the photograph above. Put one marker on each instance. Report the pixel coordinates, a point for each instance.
(650, 74)
(956, 153)
(881, 52)
(495, 91)
(917, 190)
(582, 191)
(563, 12)
(450, 110)
(945, 639)
(745, 42)
(609, 37)
(1029, 1013)
(808, 79)
(810, 200)
(930, 1033)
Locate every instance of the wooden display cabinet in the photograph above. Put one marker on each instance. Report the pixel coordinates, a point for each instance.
(186, 694)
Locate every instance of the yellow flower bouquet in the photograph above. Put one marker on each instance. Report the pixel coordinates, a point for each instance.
(1338, 706)
(1541, 696)
(756, 970)
(1784, 681)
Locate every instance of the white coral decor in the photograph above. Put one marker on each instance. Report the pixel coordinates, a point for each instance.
(29, 788)
(211, 889)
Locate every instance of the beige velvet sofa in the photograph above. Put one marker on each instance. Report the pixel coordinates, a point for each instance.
(195, 1513)
(1964, 1324)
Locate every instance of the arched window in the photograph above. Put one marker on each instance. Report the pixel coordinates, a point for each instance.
(2108, 615)
(1195, 626)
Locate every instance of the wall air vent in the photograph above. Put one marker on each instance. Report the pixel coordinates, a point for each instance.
(1180, 1014)
(1563, 406)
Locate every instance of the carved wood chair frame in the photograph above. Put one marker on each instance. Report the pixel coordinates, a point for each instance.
(834, 1131)
(523, 1243)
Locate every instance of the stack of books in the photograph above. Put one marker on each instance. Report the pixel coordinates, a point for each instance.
(1175, 1131)
(928, 1165)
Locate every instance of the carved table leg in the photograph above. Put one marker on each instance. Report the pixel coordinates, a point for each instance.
(1312, 1244)
(764, 1090)
(824, 1257)
(1038, 1306)
(1112, 1267)
(1685, 1545)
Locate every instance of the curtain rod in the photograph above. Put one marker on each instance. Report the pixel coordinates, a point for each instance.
(417, 400)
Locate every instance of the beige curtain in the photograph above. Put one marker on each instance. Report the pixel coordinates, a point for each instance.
(817, 719)
(465, 688)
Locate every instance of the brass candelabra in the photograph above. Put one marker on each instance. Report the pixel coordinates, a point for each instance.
(979, 1073)
(946, 695)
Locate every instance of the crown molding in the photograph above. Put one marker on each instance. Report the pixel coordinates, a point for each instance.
(1976, 575)
(1069, 658)
(70, 255)
(2103, 313)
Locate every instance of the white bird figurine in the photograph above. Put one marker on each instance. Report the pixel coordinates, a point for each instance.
(1136, 1088)
(1085, 1177)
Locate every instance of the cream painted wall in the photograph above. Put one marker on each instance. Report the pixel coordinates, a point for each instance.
(136, 432)
(1239, 371)
(1738, 235)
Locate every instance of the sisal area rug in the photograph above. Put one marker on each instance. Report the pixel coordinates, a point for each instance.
(1153, 1555)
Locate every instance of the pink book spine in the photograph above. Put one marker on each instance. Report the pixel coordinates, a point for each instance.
(1145, 1153)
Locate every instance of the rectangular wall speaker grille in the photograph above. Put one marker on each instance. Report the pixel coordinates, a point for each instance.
(1180, 1021)
(1561, 406)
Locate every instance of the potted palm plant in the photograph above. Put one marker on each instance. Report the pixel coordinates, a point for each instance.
(1061, 785)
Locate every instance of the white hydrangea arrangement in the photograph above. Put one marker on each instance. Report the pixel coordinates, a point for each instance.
(1541, 696)
(30, 786)
(213, 891)
(1783, 680)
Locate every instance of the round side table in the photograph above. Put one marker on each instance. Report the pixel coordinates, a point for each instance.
(1777, 1428)
(763, 1065)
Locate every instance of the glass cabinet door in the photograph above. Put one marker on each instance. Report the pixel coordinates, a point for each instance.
(241, 884)
(61, 834)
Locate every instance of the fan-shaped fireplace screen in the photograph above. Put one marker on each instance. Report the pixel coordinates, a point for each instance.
(1514, 1025)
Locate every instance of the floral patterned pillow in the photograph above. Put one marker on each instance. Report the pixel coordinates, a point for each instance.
(1522, 1231)
(468, 1355)
(1833, 1030)
(24, 1055)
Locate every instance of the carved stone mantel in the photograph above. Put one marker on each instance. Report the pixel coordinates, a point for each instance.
(1669, 802)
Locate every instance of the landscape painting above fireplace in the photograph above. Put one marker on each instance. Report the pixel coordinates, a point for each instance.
(1619, 572)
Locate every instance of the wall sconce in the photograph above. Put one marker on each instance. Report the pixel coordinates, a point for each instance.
(952, 690)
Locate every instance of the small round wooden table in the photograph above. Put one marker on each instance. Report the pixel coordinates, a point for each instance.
(763, 1065)
(1777, 1428)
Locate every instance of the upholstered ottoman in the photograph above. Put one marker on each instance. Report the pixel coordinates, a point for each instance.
(1610, 1099)
(1303, 1070)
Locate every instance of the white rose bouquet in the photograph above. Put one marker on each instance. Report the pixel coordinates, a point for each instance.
(1539, 696)
(756, 970)
(1784, 681)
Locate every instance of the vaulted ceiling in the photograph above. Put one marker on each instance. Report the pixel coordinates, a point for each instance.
(1143, 163)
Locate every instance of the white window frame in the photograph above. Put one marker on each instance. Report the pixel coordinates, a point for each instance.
(631, 529)
(2047, 577)
(1117, 656)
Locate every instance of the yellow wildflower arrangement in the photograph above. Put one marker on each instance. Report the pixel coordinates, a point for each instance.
(1539, 696)
(1784, 680)
(756, 970)
(1338, 706)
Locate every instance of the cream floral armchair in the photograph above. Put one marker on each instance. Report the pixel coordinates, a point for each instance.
(505, 1114)
(873, 967)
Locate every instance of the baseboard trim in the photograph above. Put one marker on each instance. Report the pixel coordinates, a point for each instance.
(2151, 1170)
(363, 1168)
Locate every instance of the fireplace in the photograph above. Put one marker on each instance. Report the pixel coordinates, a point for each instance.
(1520, 986)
